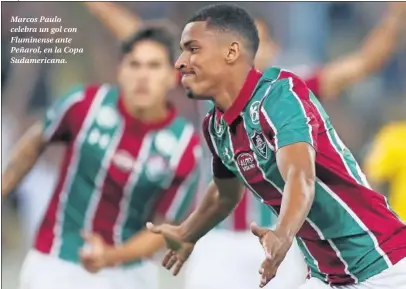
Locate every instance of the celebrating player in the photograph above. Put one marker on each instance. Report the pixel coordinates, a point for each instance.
(269, 132)
(328, 81)
(129, 159)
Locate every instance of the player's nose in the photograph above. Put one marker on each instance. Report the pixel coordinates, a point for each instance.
(181, 64)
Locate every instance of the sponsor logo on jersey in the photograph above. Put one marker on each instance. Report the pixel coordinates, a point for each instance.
(107, 117)
(254, 112)
(259, 142)
(165, 142)
(124, 160)
(155, 167)
(246, 162)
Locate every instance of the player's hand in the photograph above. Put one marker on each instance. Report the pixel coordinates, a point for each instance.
(94, 254)
(275, 247)
(178, 250)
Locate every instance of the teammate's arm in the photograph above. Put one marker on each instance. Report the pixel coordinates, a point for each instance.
(374, 52)
(288, 120)
(116, 18)
(55, 127)
(23, 158)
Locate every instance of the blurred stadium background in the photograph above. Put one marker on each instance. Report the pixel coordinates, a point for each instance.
(310, 33)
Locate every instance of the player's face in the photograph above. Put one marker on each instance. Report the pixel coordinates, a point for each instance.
(146, 75)
(201, 63)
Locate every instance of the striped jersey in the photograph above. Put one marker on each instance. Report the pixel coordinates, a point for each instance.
(117, 172)
(250, 209)
(350, 234)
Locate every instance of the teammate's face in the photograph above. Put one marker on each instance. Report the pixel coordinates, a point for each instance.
(267, 47)
(146, 75)
(202, 62)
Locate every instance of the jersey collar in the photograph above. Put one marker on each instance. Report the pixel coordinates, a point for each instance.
(243, 97)
(142, 126)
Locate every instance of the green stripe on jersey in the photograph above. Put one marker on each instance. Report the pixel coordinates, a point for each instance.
(98, 137)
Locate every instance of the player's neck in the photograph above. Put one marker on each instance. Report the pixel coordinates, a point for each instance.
(231, 89)
(149, 115)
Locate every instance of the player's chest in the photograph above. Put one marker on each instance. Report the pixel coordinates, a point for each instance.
(125, 158)
(244, 150)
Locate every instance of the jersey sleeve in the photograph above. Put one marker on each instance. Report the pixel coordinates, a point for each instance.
(178, 197)
(379, 163)
(58, 118)
(287, 115)
(219, 170)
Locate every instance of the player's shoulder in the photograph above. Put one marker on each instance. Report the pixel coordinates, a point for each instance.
(88, 92)
(281, 83)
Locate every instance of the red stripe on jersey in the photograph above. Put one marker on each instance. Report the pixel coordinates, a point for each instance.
(74, 119)
(331, 265)
(108, 208)
(240, 214)
(45, 234)
(185, 167)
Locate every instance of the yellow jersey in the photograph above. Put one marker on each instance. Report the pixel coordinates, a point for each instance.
(386, 162)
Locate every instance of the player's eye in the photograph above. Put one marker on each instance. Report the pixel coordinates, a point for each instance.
(194, 49)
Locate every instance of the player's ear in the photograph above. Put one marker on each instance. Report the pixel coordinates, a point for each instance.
(233, 52)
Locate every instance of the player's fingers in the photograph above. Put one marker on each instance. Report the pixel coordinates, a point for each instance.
(268, 271)
(255, 229)
(171, 262)
(167, 257)
(178, 267)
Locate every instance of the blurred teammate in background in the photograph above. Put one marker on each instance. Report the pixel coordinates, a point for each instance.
(269, 132)
(386, 163)
(327, 82)
(129, 159)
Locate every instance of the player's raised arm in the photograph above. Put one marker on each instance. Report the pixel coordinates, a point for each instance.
(119, 20)
(26, 152)
(288, 121)
(375, 51)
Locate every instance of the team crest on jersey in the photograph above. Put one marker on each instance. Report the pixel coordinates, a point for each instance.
(259, 142)
(254, 112)
(155, 167)
(165, 142)
(107, 117)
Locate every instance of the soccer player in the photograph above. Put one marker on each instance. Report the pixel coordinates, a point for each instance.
(337, 75)
(269, 132)
(129, 159)
(386, 163)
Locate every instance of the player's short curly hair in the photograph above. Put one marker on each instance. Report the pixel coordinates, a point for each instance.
(230, 18)
(157, 34)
